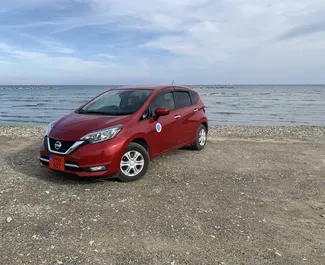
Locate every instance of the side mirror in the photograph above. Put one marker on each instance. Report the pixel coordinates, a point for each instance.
(161, 112)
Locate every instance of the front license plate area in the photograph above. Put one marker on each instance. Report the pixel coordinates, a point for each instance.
(57, 162)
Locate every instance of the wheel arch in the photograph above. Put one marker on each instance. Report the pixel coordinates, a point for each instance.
(205, 123)
(141, 141)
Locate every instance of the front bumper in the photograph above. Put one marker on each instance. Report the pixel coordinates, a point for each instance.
(88, 160)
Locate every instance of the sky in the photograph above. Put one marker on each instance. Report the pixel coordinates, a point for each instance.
(158, 41)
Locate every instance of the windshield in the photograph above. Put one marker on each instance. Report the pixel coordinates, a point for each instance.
(117, 102)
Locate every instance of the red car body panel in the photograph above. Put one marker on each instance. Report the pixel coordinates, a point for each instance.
(74, 126)
(175, 133)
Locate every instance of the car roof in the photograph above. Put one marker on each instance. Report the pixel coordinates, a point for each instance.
(158, 87)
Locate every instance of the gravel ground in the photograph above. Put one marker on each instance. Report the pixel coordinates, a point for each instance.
(255, 195)
(214, 131)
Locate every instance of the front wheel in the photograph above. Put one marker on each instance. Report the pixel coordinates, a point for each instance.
(134, 163)
(201, 138)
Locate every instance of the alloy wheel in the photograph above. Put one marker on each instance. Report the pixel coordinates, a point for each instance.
(132, 163)
(202, 137)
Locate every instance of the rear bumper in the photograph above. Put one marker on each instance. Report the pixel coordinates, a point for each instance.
(81, 162)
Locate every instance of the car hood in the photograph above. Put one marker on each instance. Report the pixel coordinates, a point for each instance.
(74, 125)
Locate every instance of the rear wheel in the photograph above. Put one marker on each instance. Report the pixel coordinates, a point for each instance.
(201, 138)
(134, 163)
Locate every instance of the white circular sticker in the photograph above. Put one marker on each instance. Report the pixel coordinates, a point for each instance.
(158, 127)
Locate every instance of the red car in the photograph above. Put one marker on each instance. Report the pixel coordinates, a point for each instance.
(120, 130)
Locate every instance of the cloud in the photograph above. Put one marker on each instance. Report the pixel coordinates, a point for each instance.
(44, 60)
(106, 55)
(303, 30)
(190, 40)
(5, 47)
(28, 25)
(20, 4)
(54, 46)
(20, 54)
(209, 29)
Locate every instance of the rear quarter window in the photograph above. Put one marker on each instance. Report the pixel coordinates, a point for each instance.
(194, 96)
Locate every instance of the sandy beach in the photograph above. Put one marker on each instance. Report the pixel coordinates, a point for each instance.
(255, 195)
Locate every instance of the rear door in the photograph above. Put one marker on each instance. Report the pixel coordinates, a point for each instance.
(185, 112)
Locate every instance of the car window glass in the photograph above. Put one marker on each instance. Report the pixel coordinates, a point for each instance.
(194, 96)
(182, 99)
(163, 100)
(145, 115)
(117, 102)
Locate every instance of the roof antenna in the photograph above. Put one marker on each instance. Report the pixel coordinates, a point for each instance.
(173, 82)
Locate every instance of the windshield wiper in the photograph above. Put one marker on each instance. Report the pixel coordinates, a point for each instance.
(104, 113)
(93, 112)
(120, 113)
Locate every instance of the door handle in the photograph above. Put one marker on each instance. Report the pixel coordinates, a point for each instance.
(177, 117)
(196, 110)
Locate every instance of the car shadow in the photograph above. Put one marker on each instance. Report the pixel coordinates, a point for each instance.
(25, 161)
(188, 148)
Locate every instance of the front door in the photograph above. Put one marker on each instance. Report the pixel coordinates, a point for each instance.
(163, 135)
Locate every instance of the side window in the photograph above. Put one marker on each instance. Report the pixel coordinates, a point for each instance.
(182, 99)
(145, 115)
(194, 96)
(163, 100)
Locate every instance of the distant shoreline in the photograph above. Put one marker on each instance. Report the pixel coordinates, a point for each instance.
(27, 88)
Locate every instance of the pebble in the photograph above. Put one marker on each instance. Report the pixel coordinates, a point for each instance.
(9, 219)
(267, 131)
(36, 132)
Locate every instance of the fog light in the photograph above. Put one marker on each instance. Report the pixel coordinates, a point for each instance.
(99, 168)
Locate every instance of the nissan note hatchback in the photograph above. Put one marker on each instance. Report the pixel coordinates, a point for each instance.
(120, 130)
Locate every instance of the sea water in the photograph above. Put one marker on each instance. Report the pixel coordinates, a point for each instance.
(258, 105)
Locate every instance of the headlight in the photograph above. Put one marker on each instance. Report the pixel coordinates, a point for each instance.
(49, 128)
(102, 135)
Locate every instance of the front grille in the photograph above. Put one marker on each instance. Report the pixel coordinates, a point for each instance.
(65, 145)
(69, 165)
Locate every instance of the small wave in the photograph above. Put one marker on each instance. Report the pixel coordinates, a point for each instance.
(52, 108)
(27, 117)
(30, 105)
(40, 101)
(20, 122)
(26, 100)
(226, 113)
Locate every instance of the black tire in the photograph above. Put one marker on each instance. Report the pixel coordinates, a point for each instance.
(198, 145)
(132, 148)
